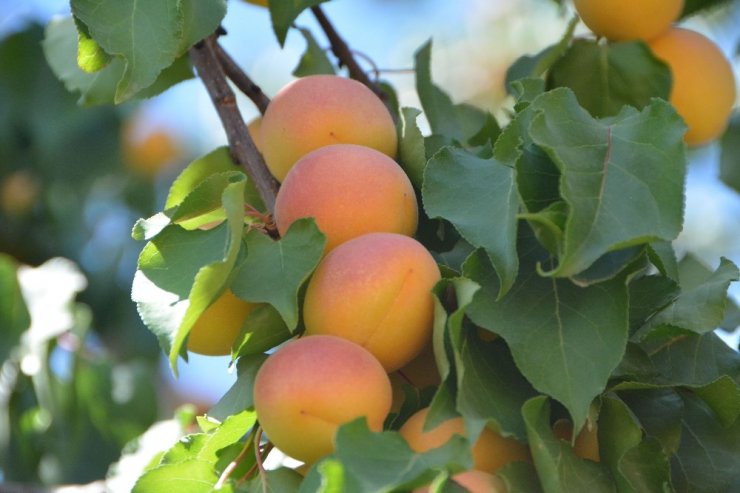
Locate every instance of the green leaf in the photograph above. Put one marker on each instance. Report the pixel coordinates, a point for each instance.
(558, 468)
(692, 7)
(520, 477)
(274, 271)
(486, 215)
(457, 121)
(599, 173)
(14, 316)
(284, 12)
(263, 329)
(649, 295)
(659, 412)
(411, 151)
(606, 77)
(729, 170)
(200, 18)
(566, 340)
(707, 458)
(723, 396)
(314, 60)
(240, 396)
(280, 480)
(90, 56)
(192, 476)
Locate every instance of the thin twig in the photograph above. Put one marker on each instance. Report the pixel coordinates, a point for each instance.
(234, 463)
(243, 150)
(241, 80)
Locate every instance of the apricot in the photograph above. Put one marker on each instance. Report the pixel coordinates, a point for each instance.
(622, 20)
(475, 482)
(261, 3)
(148, 150)
(586, 445)
(255, 131)
(310, 386)
(490, 452)
(321, 110)
(703, 91)
(219, 325)
(375, 290)
(350, 190)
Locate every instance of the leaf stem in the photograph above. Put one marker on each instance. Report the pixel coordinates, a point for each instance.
(243, 150)
(234, 463)
(241, 79)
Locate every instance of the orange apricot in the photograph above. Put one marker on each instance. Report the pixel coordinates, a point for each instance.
(586, 445)
(375, 290)
(350, 190)
(219, 325)
(310, 386)
(622, 20)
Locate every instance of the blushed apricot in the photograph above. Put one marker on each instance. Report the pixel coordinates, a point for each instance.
(350, 190)
(310, 386)
(375, 290)
(320, 110)
(220, 324)
(622, 20)
(490, 452)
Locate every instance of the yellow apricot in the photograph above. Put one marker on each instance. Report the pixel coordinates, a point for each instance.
(254, 128)
(586, 445)
(350, 190)
(490, 452)
(475, 481)
(622, 20)
(147, 151)
(219, 325)
(375, 290)
(703, 89)
(19, 192)
(310, 386)
(321, 110)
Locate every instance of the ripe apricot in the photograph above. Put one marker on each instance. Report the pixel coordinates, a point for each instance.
(350, 190)
(375, 290)
(475, 481)
(255, 131)
(490, 452)
(622, 20)
(703, 89)
(310, 386)
(320, 110)
(586, 445)
(219, 325)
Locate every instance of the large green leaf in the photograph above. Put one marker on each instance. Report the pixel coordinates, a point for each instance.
(558, 468)
(486, 214)
(565, 339)
(274, 271)
(14, 317)
(729, 169)
(241, 394)
(605, 77)
(622, 178)
(284, 12)
(520, 477)
(314, 60)
(659, 412)
(411, 151)
(200, 18)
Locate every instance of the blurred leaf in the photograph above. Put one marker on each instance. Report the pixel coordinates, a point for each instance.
(192, 476)
(240, 396)
(263, 329)
(559, 470)
(566, 340)
(605, 77)
(314, 60)
(411, 152)
(274, 271)
(14, 316)
(284, 12)
(598, 171)
(520, 477)
(692, 7)
(90, 56)
(486, 215)
(729, 169)
(281, 480)
(457, 121)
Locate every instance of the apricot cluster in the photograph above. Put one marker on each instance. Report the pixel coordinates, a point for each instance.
(704, 89)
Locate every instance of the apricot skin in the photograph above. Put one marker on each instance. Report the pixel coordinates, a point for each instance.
(586, 445)
(490, 452)
(350, 190)
(704, 88)
(217, 328)
(310, 386)
(321, 110)
(475, 482)
(375, 290)
(622, 20)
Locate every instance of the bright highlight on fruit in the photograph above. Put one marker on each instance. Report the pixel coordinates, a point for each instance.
(320, 110)
(490, 452)
(375, 290)
(218, 327)
(350, 190)
(622, 20)
(704, 89)
(310, 386)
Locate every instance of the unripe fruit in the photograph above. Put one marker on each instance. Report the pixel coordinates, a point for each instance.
(350, 190)
(375, 290)
(622, 20)
(703, 82)
(321, 110)
(310, 386)
(219, 325)
(586, 445)
(490, 452)
(475, 482)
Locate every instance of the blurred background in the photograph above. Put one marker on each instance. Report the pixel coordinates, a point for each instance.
(74, 180)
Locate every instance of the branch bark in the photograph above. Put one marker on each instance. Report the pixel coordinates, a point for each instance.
(241, 80)
(243, 151)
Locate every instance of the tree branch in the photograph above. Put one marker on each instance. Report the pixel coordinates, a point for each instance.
(243, 150)
(240, 79)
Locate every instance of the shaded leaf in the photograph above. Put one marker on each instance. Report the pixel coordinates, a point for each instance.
(723, 396)
(240, 396)
(411, 151)
(314, 60)
(263, 329)
(284, 12)
(14, 316)
(520, 477)
(729, 170)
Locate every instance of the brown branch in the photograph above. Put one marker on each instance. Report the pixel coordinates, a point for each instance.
(243, 150)
(240, 79)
